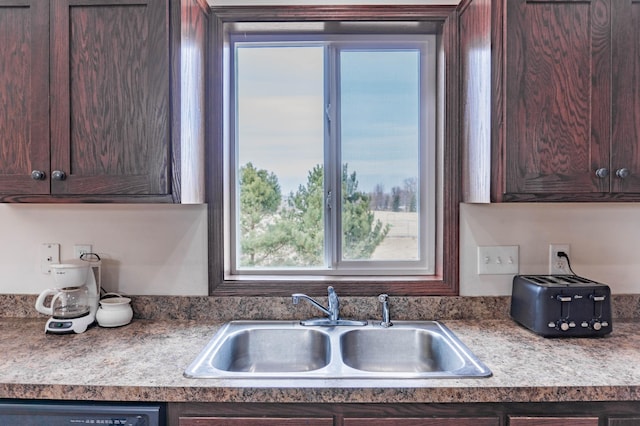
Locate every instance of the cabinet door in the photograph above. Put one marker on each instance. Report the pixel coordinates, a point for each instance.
(558, 89)
(254, 421)
(426, 421)
(24, 96)
(553, 421)
(623, 421)
(625, 162)
(110, 97)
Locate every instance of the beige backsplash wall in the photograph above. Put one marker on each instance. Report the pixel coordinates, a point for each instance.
(146, 249)
(162, 249)
(604, 239)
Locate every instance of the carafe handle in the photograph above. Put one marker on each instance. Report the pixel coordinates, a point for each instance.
(40, 307)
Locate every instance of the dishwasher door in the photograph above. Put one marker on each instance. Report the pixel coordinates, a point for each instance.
(47, 413)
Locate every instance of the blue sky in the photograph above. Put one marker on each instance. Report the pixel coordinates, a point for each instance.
(281, 107)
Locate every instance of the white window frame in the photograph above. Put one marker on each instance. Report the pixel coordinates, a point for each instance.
(426, 265)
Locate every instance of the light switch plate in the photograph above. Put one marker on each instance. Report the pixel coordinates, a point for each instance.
(49, 254)
(498, 260)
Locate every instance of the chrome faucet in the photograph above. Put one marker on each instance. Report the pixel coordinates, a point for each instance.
(332, 311)
(386, 313)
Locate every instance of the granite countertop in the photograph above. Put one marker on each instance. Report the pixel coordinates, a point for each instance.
(144, 361)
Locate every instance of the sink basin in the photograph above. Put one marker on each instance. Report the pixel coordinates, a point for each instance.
(260, 350)
(416, 350)
(289, 350)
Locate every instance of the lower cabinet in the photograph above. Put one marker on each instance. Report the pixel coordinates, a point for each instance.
(423, 421)
(553, 421)
(408, 414)
(252, 421)
(626, 421)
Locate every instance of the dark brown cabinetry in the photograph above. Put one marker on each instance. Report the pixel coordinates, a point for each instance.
(423, 421)
(560, 120)
(87, 88)
(552, 421)
(628, 421)
(405, 414)
(248, 421)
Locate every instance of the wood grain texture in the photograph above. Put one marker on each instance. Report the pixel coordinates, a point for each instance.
(475, 100)
(557, 103)
(24, 90)
(553, 421)
(110, 97)
(189, 21)
(625, 138)
(445, 281)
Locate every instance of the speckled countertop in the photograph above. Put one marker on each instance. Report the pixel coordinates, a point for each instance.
(144, 361)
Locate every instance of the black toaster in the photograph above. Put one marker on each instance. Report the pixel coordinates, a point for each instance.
(561, 305)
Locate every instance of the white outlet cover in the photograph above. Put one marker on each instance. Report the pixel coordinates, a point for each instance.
(498, 260)
(559, 266)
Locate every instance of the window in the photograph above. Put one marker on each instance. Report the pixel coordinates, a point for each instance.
(329, 154)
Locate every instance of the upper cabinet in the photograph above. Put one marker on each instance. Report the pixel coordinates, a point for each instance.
(94, 112)
(550, 100)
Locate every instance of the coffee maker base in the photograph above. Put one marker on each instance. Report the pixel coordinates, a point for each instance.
(68, 326)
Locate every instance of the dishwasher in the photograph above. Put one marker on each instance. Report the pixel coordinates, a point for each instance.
(63, 413)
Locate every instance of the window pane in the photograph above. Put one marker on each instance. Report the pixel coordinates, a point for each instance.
(280, 154)
(380, 149)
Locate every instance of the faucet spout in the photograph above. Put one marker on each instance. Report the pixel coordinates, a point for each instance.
(332, 311)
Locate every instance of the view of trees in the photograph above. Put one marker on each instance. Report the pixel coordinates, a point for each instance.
(290, 232)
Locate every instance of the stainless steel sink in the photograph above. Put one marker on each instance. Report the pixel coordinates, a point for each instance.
(264, 350)
(289, 350)
(399, 350)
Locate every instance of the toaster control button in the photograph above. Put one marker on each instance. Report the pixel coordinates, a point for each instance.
(605, 324)
(551, 324)
(596, 325)
(572, 324)
(563, 325)
(584, 324)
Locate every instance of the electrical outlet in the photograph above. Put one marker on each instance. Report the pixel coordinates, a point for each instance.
(498, 260)
(559, 265)
(49, 254)
(80, 249)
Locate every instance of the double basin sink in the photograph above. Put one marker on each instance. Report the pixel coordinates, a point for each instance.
(287, 349)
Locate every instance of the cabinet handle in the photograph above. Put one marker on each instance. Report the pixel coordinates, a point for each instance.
(623, 173)
(602, 172)
(58, 175)
(37, 175)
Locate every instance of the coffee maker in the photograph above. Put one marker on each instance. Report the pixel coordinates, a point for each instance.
(74, 300)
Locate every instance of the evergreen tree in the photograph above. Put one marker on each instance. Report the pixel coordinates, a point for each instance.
(272, 235)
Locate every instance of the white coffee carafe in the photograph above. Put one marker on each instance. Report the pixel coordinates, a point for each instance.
(74, 300)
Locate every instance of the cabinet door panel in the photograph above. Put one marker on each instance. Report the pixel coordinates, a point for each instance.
(110, 97)
(558, 96)
(553, 421)
(625, 137)
(24, 95)
(427, 421)
(252, 421)
(629, 421)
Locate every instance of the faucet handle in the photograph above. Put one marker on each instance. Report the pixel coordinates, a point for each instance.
(386, 313)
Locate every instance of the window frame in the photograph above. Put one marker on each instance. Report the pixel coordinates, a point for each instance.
(333, 46)
(443, 22)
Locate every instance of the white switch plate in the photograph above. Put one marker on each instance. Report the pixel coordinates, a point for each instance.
(49, 254)
(498, 259)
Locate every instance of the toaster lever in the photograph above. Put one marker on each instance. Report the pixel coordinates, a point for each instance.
(563, 298)
(598, 298)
